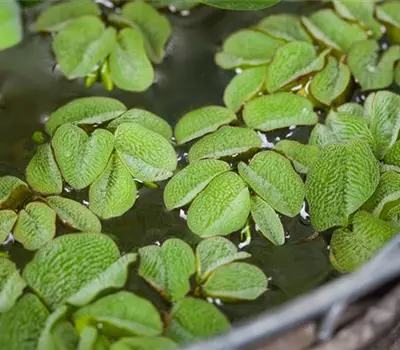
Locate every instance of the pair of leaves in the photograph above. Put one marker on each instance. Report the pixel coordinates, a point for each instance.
(10, 24)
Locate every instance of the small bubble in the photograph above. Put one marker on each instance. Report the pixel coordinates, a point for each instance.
(287, 235)
(277, 138)
(85, 203)
(100, 325)
(172, 8)
(158, 243)
(292, 127)
(265, 142)
(218, 302)
(182, 214)
(68, 189)
(9, 240)
(269, 279)
(304, 216)
(238, 70)
(328, 247)
(185, 13)
(290, 134)
(210, 300)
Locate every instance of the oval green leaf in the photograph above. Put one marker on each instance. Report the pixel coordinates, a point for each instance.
(273, 178)
(192, 320)
(248, 5)
(267, 221)
(130, 68)
(114, 192)
(42, 173)
(279, 110)
(321, 136)
(227, 141)
(144, 343)
(8, 218)
(36, 225)
(74, 214)
(221, 208)
(88, 338)
(342, 179)
(80, 256)
(202, 121)
(13, 192)
(11, 28)
(190, 181)
(147, 155)
(121, 314)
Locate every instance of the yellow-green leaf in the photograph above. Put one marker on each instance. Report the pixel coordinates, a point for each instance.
(11, 28)
(11, 284)
(248, 5)
(13, 192)
(389, 13)
(8, 218)
(351, 108)
(144, 343)
(392, 157)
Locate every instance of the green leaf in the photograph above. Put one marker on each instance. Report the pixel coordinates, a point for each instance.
(114, 192)
(74, 214)
(144, 343)
(202, 121)
(213, 253)
(10, 24)
(236, 281)
(248, 5)
(22, 324)
(351, 108)
(371, 71)
(291, 62)
(284, 26)
(180, 5)
(332, 31)
(81, 158)
(279, 110)
(11, 285)
(42, 173)
(340, 182)
(13, 192)
(147, 155)
(190, 181)
(146, 119)
(82, 44)
(86, 110)
(352, 247)
(56, 17)
(397, 74)
(114, 277)
(383, 115)
(243, 87)
(155, 27)
(192, 320)
(168, 268)
(362, 12)
(8, 219)
(88, 338)
(121, 314)
(247, 48)
(267, 221)
(392, 157)
(226, 141)
(130, 68)
(331, 82)
(302, 156)
(273, 178)
(221, 208)
(389, 13)
(81, 257)
(321, 136)
(36, 225)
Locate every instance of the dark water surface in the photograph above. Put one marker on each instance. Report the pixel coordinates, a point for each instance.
(30, 90)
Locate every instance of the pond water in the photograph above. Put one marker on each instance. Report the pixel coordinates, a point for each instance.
(31, 88)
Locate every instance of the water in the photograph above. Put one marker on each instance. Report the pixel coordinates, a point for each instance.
(31, 88)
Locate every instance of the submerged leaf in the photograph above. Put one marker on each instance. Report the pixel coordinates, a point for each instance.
(42, 173)
(273, 178)
(121, 314)
(11, 284)
(302, 156)
(81, 257)
(284, 26)
(202, 121)
(59, 15)
(154, 26)
(190, 181)
(214, 252)
(114, 192)
(11, 28)
(236, 281)
(226, 141)
(74, 214)
(144, 343)
(332, 31)
(221, 208)
(267, 221)
(22, 324)
(147, 155)
(36, 225)
(81, 157)
(130, 68)
(243, 87)
(371, 71)
(340, 182)
(82, 44)
(8, 218)
(247, 48)
(352, 247)
(146, 119)
(248, 5)
(13, 192)
(85, 110)
(291, 62)
(279, 110)
(331, 82)
(193, 319)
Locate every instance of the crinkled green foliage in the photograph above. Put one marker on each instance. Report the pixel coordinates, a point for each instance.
(13, 192)
(8, 218)
(11, 284)
(248, 5)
